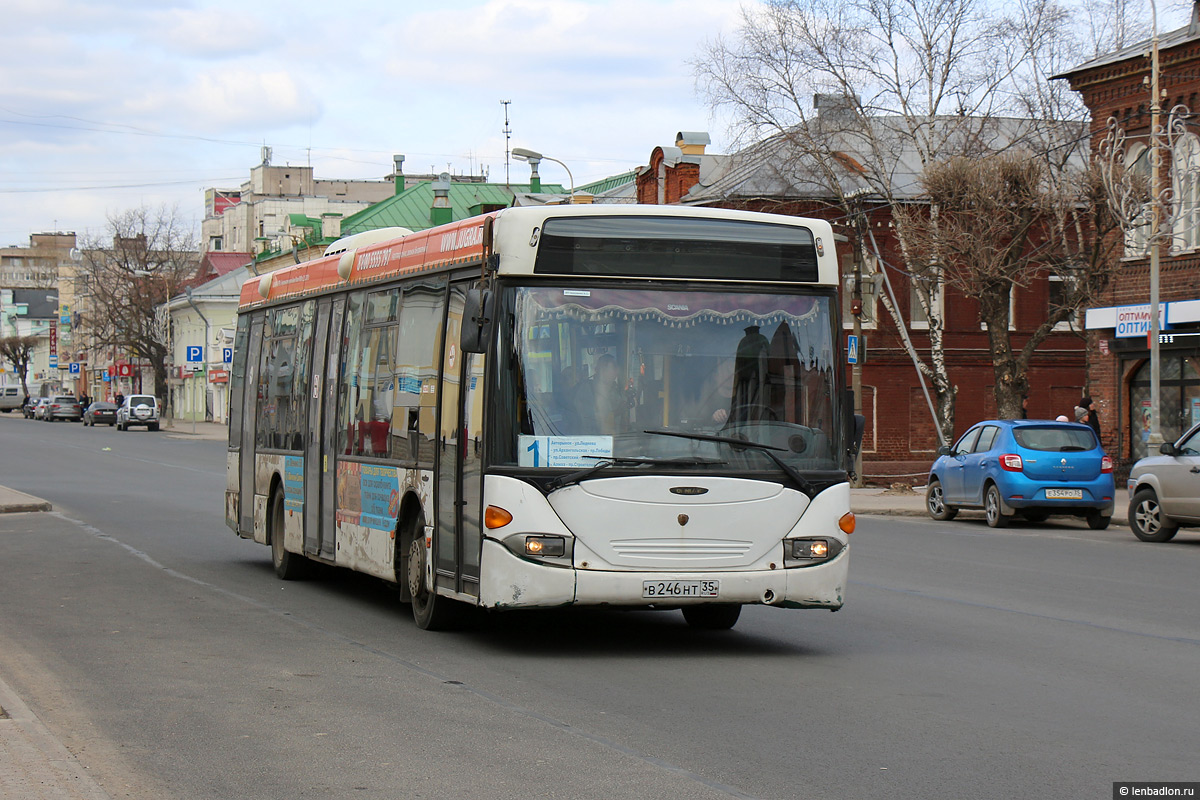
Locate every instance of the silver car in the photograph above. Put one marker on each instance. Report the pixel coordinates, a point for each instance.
(63, 406)
(138, 409)
(1164, 490)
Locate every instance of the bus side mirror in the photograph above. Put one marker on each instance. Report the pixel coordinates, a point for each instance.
(477, 320)
(860, 426)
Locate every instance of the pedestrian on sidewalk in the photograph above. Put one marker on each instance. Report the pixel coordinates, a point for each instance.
(1086, 413)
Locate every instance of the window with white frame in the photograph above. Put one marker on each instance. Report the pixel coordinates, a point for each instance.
(1185, 180)
(1012, 310)
(1137, 236)
(1059, 291)
(917, 317)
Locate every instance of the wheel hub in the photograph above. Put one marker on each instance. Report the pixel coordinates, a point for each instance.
(416, 568)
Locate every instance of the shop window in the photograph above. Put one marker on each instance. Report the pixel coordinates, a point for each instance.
(1179, 401)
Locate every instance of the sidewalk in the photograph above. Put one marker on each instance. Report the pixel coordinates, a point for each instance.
(182, 428)
(34, 764)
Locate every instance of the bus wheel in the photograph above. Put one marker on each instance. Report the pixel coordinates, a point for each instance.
(288, 566)
(716, 617)
(431, 611)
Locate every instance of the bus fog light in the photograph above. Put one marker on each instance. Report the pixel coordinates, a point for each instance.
(547, 546)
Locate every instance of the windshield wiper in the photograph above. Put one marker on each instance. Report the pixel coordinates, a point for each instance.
(802, 483)
(605, 463)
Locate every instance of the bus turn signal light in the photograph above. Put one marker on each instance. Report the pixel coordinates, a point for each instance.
(848, 522)
(496, 517)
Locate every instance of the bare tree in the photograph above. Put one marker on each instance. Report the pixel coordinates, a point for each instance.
(915, 83)
(18, 351)
(1001, 222)
(144, 258)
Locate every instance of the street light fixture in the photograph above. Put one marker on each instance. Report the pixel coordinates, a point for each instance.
(533, 158)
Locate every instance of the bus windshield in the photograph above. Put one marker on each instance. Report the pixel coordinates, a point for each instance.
(593, 374)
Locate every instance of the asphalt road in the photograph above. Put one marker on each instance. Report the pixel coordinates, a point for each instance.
(1044, 661)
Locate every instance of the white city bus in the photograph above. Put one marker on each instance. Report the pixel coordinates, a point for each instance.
(620, 405)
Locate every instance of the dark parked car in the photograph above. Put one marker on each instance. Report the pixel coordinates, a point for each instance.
(100, 411)
(31, 408)
(1032, 467)
(1164, 490)
(63, 406)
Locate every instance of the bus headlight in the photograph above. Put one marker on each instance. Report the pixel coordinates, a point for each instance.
(544, 547)
(548, 546)
(806, 552)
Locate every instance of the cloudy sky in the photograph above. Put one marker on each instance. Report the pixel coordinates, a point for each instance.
(106, 106)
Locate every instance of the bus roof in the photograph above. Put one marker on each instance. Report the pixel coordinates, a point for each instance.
(461, 244)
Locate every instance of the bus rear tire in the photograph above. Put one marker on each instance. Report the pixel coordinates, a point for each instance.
(288, 566)
(431, 611)
(715, 617)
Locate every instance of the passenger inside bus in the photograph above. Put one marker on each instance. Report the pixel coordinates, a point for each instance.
(600, 405)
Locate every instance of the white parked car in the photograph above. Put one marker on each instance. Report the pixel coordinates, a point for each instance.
(1164, 490)
(138, 409)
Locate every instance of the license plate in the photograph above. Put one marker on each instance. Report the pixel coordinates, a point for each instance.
(681, 588)
(1064, 494)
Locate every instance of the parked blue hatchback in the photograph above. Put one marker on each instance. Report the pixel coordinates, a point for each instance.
(1030, 467)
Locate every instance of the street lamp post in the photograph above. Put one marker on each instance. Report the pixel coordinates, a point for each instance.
(1155, 437)
(533, 158)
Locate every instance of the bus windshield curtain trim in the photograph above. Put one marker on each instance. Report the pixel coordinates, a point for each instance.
(678, 306)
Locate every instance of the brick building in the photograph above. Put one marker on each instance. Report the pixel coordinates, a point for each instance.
(900, 440)
(1116, 87)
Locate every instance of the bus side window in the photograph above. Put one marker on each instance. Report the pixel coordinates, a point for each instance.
(415, 365)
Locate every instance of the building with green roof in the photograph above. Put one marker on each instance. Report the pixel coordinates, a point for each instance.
(420, 206)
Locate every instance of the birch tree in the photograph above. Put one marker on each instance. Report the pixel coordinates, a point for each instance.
(919, 83)
(1002, 223)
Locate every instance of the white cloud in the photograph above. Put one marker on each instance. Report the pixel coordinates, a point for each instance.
(214, 32)
(137, 91)
(229, 99)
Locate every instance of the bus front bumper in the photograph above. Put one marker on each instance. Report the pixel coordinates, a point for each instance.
(513, 582)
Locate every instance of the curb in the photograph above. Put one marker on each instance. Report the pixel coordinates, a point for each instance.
(14, 502)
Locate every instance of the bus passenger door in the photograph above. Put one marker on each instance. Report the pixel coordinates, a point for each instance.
(459, 478)
(327, 530)
(314, 452)
(249, 424)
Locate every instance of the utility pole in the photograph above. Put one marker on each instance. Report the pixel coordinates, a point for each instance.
(856, 311)
(507, 137)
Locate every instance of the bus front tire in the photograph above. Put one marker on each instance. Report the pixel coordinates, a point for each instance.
(715, 617)
(288, 566)
(431, 611)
